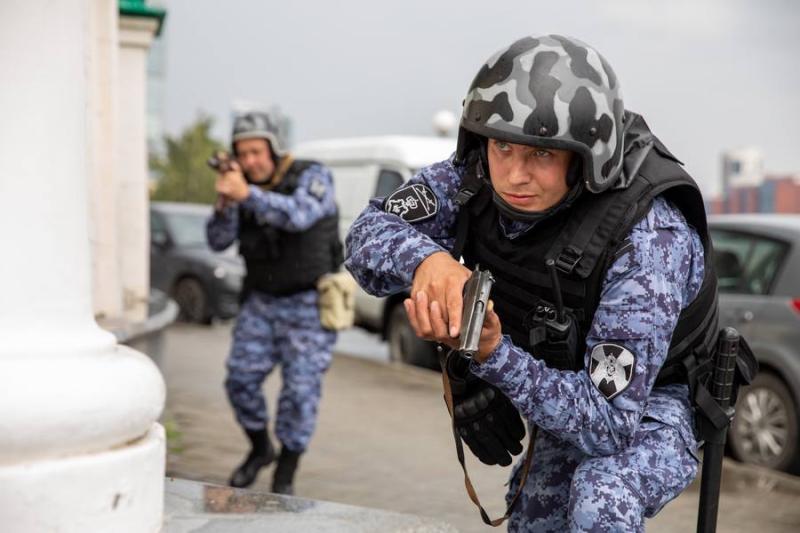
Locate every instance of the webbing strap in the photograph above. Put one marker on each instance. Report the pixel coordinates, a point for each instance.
(462, 229)
(605, 219)
(470, 187)
(473, 495)
(710, 408)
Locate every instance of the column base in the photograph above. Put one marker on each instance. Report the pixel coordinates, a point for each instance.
(120, 490)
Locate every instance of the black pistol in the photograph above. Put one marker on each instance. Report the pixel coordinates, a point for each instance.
(476, 300)
(220, 161)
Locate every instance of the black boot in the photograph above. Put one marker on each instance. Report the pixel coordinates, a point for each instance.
(283, 479)
(261, 454)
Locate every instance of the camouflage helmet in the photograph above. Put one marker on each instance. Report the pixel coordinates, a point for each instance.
(259, 125)
(554, 92)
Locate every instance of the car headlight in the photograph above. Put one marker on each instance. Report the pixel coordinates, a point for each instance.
(220, 272)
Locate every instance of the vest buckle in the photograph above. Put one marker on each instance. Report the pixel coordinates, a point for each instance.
(463, 196)
(568, 259)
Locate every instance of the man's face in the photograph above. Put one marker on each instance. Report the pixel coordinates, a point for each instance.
(255, 158)
(527, 177)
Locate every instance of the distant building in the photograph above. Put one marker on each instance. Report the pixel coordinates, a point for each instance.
(746, 188)
(742, 167)
(772, 194)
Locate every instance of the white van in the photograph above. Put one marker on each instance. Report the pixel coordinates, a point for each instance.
(364, 168)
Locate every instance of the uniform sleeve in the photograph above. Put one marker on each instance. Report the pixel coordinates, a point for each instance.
(383, 250)
(312, 200)
(222, 228)
(644, 291)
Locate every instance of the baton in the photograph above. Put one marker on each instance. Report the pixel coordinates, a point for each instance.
(721, 387)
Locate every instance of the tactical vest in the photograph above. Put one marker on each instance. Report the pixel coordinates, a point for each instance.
(564, 259)
(284, 262)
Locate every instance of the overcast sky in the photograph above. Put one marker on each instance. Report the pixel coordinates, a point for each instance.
(707, 75)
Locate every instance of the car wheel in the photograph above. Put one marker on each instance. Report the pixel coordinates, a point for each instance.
(404, 345)
(765, 428)
(192, 301)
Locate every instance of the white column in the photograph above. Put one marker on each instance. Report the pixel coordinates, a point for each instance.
(79, 446)
(102, 107)
(135, 36)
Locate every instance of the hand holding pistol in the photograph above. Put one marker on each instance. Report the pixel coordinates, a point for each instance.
(222, 162)
(476, 302)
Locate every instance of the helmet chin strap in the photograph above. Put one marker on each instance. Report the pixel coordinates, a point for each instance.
(535, 216)
(573, 180)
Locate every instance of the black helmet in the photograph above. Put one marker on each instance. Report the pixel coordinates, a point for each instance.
(554, 92)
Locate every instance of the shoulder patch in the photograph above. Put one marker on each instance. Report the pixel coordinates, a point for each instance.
(412, 203)
(611, 368)
(317, 188)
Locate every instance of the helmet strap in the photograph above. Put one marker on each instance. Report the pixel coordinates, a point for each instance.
(573, 180)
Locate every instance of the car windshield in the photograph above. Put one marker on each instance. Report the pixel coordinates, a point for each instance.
(187, 229)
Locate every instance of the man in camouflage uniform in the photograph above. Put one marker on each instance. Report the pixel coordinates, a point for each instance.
(283, 213)
(563, 195)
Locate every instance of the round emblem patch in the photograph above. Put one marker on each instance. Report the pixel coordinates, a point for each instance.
(611, 368)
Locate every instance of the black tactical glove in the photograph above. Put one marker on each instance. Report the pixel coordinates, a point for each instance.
(484, 418)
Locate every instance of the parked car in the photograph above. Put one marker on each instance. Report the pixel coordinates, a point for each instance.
(757, 259)
(204, 283)
(364, 168)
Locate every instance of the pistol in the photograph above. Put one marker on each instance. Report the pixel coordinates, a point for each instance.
(476, 300)
(220, 161)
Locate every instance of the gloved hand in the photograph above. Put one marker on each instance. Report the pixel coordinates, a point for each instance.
(484, 418)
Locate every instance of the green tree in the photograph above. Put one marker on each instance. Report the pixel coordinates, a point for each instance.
(183, 175)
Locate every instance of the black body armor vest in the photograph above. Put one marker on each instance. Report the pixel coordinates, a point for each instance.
(570, 252)
(283, 262)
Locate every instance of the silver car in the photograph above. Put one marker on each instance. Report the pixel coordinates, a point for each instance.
(757, 258)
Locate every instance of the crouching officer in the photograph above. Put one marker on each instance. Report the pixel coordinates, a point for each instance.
(283, 213)
(604, 295)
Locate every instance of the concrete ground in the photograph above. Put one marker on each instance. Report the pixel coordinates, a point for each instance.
(383, 441)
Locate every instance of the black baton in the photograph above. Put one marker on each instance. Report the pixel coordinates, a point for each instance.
(721, 388)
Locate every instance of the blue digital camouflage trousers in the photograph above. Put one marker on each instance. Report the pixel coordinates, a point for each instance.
(568, 490)
(279, 330)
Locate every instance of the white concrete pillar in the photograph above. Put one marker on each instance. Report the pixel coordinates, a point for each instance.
(79, 446)
(102, 107)
(135, 36)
